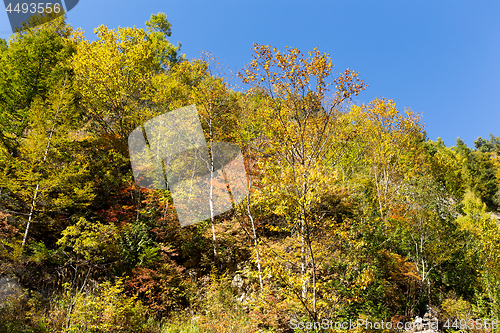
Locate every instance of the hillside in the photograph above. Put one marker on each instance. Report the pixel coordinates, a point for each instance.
(311, 208)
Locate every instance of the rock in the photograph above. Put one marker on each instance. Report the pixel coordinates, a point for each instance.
(205, 280)
(193, 273)
(9, 287)
(427, 324)
(237, 282)
(242, 298)
(431, 312)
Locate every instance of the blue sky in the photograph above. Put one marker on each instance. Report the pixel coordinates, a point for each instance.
(437, 57)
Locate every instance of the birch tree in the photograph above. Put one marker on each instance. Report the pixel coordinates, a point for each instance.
(298, 138)
(49, 176)
(216, 107)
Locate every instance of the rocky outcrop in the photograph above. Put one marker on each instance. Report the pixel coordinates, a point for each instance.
(9, 287)
(428, 324)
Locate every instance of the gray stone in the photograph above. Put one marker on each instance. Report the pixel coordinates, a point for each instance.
(237, 282)
(427, 324)
(9, 287)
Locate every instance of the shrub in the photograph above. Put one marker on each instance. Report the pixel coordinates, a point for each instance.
(102, 309)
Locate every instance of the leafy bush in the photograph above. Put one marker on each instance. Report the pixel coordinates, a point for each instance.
(103, 309)
(456, 308)
(137, 246)
(20, 314)
(162, 289)
(220, 311)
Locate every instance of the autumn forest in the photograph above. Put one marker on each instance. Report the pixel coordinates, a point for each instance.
(351, 212)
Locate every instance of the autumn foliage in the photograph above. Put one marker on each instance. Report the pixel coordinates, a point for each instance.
(351, 213)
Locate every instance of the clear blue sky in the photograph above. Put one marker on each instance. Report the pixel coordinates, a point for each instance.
(437, 57)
